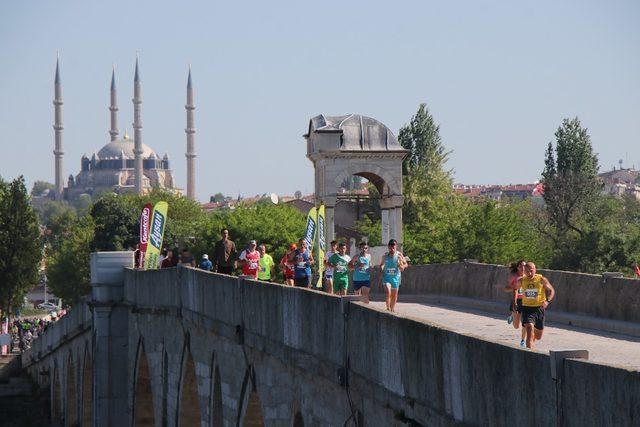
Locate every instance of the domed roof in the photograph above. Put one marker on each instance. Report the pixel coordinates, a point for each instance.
(124, 145)
(359, 133)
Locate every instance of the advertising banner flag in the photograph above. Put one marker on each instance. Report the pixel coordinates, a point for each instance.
(312, 225)
(156, 234)
(145, 221)
(321, 244)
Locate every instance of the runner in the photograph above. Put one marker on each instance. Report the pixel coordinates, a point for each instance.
(537, 295)
(266, 264)
(340, 263)
(287, 266)
(515, 305)
(392, 265)
(250, 259)
(302, 260)
(328, 271)
(361, 265)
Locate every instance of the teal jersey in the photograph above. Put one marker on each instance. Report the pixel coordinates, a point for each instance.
(362, 271)
(391, 270)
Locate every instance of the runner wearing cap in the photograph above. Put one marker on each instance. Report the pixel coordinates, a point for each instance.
(205, 264)
(287, 266)
(392, 265)
(328, 270)
(361, 265)
(250, 259)
(340, 263)
(266, 264)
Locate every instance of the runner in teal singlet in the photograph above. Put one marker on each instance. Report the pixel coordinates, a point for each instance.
(392, 264)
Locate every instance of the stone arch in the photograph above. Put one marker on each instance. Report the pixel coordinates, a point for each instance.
(71, 401)
(189, 411)
(56, 397)
(298, 421)
(216, 396)
(87, 389)
(143, 397)
(378, 176)
(251, 405)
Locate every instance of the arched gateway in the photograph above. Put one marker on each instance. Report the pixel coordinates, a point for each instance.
(343, 146)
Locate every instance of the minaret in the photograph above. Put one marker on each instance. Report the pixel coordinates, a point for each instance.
(57, 126)
(190, 130)
(137, 130)
(113, 108)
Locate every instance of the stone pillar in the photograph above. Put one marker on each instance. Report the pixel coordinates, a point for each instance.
(110, 338)
(329, 212)
(58, 152)
(391, 207)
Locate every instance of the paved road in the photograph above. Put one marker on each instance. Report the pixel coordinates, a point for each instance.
(614, 349)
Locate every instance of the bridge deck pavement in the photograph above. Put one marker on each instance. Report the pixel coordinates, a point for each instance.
(604, 347)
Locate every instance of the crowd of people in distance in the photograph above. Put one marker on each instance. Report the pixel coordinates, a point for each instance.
(296, 266)
(531, 294)
(23, 331)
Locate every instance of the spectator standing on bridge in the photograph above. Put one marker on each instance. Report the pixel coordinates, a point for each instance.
(224, 255)
(169, 261)
(328, 271)
(537, 294)
(302, 260)
(361, 265)
(206, 264)
(340, 263)
(266, 271)
(187, 259)
(515, 305)
(392, 265)
(250, 260)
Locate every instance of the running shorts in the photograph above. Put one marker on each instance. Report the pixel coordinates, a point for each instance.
(518, 306)
(302, 282)
(357, 284)
(533, 315)
(341, 284)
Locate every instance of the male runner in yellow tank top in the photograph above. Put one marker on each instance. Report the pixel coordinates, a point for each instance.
(537, 294)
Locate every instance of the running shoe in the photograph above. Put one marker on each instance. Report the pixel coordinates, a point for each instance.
(510, 319)
(522, 343)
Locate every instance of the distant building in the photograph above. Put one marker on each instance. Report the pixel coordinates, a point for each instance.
(620, 182)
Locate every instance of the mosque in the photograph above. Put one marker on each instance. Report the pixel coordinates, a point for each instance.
(124, 164)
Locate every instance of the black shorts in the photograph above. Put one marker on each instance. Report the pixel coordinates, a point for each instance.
(533, 315)
(518, 307)
(302, 282)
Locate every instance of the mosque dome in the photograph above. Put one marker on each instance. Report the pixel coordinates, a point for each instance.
(126, 146)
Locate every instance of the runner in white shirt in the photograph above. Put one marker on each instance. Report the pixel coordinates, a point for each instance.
(328, 268)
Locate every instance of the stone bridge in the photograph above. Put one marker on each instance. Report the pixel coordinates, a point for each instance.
(183, 347)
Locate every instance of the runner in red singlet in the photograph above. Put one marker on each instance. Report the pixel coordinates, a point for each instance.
(250, 259)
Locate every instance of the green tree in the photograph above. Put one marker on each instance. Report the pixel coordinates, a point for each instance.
(277, 226)
(115, 218)
(51, 209)
(571, 183)
(68, 270)
(20, 244)
(40, 187)
(424, 173)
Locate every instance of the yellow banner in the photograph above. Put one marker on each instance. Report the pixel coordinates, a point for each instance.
(321, 244)
(156, 235)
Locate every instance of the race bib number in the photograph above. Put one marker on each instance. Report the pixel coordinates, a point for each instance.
(341, 269)
(531, 293)
(302, 264)
(262, 269)
(391, 271)
(253, 265)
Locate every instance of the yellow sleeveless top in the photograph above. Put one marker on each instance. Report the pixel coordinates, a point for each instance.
(533, 294)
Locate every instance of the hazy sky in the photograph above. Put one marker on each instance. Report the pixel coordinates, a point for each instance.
(499, 77)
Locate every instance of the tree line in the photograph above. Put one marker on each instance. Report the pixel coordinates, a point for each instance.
(578, 228)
